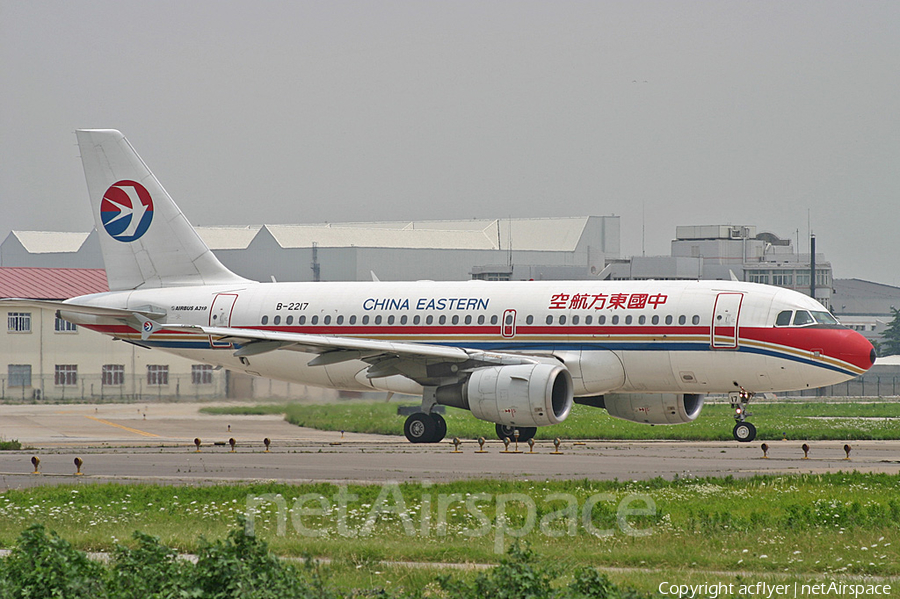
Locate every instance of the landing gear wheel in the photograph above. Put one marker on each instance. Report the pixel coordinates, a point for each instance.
(744, 432)
(420, 428)
(440, 428)
(509, 432)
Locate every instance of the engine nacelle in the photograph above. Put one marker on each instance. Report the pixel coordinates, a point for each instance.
(517, 395)
(654, 408)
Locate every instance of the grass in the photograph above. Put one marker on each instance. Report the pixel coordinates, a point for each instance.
(11, 445)
(809, 420)
(845, 523)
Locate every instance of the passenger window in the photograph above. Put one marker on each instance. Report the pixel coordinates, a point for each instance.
(455, 319)
(642, 319)
(340, 320)
(327, 320)
(575, 319)
(695, 319)
(628, 319)
(509, 319)
(669, 319)
(353, 319)
(314, 320)
(549, 319)
(655, 319)
(562, 319)
(601, 320)
(682, 319)
(529, 319)
(378, 319)
(417, 319)
(290, 320)
(391, 319)
(265, 320)
(802, 318)
(429, 319)
(481, 319)
(468, 319)
(442, 319)
(301, 320)
(494, 319)
(403, 319)
(783, 319)
(277, 320)
(365, 319)
(615, 319)
(588, 319)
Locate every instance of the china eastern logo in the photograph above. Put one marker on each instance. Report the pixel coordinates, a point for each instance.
(126, 210)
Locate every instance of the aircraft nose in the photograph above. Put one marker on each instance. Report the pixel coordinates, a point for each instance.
(857, 350)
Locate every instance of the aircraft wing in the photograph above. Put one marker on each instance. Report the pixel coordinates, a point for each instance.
(418, 361)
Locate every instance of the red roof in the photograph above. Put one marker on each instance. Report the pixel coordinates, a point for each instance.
(51, 283)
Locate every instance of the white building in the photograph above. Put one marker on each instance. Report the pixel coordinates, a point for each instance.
(43, 357)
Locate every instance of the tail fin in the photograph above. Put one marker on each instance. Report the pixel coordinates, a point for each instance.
(145, 239)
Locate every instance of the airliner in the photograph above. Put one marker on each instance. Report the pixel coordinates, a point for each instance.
(515, 353)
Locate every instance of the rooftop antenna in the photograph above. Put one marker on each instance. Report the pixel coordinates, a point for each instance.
(316, 267)
(509, 259)
(643, 228)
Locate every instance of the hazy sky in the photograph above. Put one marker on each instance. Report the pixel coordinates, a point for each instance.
(761, 113)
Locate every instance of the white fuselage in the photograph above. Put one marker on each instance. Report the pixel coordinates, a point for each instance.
(612, 336)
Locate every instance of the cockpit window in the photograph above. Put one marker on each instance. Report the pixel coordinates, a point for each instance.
(802, 317)
(783, 319)
(825, 318)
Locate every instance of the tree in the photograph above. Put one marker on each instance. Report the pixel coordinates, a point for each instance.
(890, 345)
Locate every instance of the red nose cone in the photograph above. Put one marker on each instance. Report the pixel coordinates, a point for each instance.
(856, 350)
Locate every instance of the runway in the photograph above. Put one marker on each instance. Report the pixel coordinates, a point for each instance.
(155, 443)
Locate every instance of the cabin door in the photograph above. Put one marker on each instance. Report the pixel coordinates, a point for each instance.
(725, 329)
(220, 314)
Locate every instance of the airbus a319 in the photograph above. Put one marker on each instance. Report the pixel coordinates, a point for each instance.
(517, 354)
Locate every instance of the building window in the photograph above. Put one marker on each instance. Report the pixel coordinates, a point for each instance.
(201, 374)
(66, 375)
(783, 279)
(64, 326)
(19, 322)
(112, 374)
(157, 374)
(19, 375)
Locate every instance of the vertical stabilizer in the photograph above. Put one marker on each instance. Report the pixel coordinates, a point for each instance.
(145, 239)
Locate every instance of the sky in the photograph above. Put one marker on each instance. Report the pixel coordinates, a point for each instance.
(782, 115)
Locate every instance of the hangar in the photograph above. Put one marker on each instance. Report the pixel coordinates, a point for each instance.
(501, 249)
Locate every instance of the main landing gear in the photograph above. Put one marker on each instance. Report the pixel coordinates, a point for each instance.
(425, 426)
(743, 430)
(509, 432)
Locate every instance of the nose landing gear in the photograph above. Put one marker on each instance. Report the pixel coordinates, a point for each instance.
(743, 431)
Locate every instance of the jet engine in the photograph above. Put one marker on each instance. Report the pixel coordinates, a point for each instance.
(517, 395)
(649, 408)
